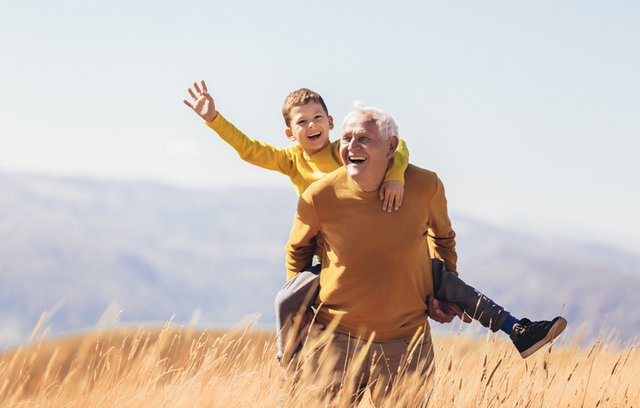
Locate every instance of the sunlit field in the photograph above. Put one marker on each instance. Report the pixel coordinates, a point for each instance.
(183, 367)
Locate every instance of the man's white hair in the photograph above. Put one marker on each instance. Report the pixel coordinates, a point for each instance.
(384, 122)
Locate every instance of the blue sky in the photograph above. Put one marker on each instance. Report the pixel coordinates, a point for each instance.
(527, 110)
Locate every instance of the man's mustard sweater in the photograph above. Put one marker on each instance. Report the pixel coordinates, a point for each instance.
(292, 161)
(376, 266)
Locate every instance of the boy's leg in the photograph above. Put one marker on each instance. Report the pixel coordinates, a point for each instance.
(449, 287)
(527, 336)
(296, 296)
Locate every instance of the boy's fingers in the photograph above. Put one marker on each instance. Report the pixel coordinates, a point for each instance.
(191, 93)
(398, 201)
(186, 102)
(204, 86)
(385, 203)
(195, 85)
(381, 193)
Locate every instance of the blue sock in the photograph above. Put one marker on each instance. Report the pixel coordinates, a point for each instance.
(507, 326)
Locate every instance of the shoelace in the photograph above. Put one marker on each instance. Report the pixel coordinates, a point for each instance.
(520, 328)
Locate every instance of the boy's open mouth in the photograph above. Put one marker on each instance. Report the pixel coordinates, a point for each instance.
(357, 159)
(317, 135)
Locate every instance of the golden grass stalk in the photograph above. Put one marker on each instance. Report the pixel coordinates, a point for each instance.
(184, 367)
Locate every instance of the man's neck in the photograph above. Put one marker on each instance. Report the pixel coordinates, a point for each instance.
(368, 184)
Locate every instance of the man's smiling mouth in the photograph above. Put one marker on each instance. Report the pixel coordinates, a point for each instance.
(357, 159)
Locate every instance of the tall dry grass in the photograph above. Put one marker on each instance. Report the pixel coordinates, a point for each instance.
(183, 367)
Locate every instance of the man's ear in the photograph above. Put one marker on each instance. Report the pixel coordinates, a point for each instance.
(330, 122)
(289, 134)
(393, 145)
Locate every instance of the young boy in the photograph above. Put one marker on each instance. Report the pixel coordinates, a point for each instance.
(308, 123)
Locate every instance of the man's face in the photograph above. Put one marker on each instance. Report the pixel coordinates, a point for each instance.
(365, 153)
(310, 126)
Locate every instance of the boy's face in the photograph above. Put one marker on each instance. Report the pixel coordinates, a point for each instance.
(309, 126)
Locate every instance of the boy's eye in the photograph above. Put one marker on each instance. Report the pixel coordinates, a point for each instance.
(301, 122)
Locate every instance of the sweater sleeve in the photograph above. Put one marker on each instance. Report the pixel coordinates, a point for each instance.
(301, 246)
(399, 163)
(442, 238)
(253, 151)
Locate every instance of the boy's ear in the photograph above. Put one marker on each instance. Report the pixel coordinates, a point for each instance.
(330, 122)
(289, 134)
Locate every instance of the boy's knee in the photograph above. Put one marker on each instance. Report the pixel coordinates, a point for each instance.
(287, 301)
(281, 299)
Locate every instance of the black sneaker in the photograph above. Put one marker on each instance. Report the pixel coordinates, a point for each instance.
(529, 337)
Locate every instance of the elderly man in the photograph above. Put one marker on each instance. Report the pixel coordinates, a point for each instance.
(376, 267)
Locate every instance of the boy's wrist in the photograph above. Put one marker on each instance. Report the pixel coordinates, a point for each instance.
(213, 117)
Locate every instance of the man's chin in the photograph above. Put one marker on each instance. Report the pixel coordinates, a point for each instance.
(355, 170)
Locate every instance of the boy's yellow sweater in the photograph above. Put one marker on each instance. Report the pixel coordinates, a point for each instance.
(301, 168)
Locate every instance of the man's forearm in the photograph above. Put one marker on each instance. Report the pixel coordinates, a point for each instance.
(298, 259)
(302, 240)
(442, 238)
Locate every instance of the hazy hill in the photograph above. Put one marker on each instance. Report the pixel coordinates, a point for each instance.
(78, 245)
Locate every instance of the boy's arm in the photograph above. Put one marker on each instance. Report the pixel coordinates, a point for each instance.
(392, 189)
(441, 237)
(399, 163)
(302, 240)
(250, 150)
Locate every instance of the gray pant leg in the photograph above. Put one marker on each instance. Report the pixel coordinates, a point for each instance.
(449, 287)
(297, 295)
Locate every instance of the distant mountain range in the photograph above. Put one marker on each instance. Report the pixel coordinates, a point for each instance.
(80, 247)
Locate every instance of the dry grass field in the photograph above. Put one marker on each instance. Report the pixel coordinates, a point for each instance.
(183, 367)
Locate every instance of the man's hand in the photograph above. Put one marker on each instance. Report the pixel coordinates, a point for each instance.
(391, 193)
(444, 312)
(202, 103)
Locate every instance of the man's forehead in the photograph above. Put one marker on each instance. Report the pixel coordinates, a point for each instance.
(360, 124)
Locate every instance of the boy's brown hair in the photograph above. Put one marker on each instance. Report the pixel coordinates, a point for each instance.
(299, 97)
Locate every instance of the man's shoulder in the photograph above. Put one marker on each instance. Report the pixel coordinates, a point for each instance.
(422, 181)
(420, 174)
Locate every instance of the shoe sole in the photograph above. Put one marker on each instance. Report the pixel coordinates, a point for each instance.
(557, 328)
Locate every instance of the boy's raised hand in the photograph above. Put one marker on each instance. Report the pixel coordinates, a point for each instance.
(201, 102)
(391, 193)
